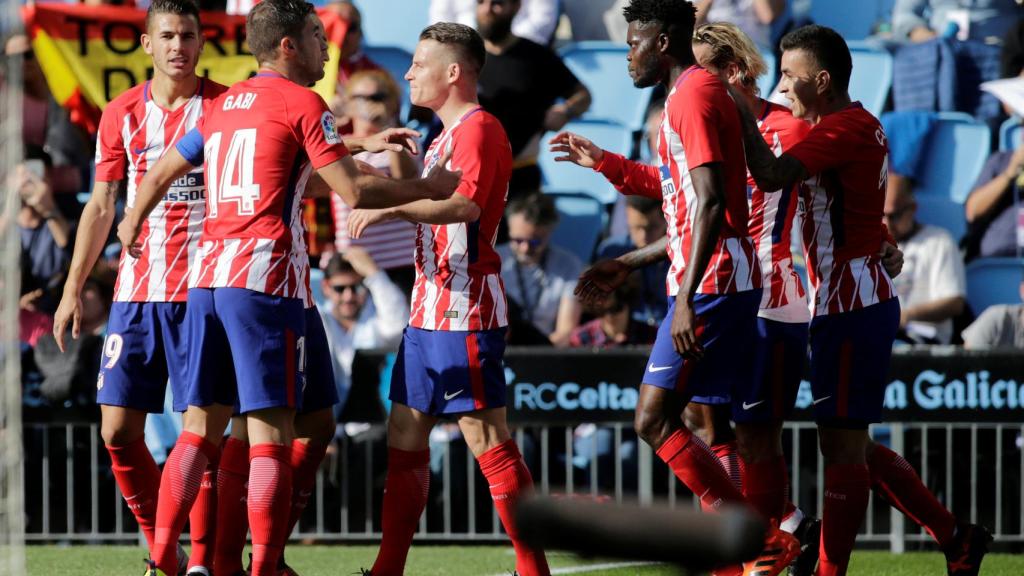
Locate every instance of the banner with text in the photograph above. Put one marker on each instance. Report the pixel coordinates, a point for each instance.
(559, 386)
(90, 54)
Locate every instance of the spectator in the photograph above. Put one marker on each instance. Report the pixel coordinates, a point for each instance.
(47, 126)
(45, 235)
(922, 20)
(352, 59)
(364, 310)
(372, 106)
(538, 277)
(646, 224)
(753, 17)
(990, 211)
(1000, 326)
(615, 325)
(536, 20)
(932, 286)
(521, 85)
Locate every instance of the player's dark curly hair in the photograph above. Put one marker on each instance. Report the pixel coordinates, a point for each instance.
(827, 48)
(179, 7)
(676, 17)
(272, 20)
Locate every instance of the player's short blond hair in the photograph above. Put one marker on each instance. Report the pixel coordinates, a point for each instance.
(728, 44)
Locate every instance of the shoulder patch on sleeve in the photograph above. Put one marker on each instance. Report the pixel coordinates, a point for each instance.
(330, 130)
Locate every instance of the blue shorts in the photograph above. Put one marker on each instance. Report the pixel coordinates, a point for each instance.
(249, 338)
(445, 372)
(320, 391)
(145, 346)
(726, 324)
(769, 396)
(850, 355)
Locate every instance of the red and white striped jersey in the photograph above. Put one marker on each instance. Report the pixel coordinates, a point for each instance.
(261, 140)
(841, 207)
(700, 125)
(458, 272)
(771, 222)
(134, 133)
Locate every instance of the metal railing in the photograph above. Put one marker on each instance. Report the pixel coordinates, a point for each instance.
(975, 469)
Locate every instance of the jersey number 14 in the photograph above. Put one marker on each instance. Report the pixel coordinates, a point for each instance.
(234, 182)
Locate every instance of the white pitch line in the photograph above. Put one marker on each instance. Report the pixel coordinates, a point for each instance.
(598, 567)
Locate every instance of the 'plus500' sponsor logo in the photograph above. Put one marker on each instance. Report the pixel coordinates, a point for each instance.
(549, 396)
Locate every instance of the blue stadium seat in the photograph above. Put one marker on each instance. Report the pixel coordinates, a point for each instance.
(568, 177)
(957, 150)
(993, 281)
(396, 61)
(393, 22)
(871, 78)
(854, 20)
(942, 212)
(1010, 134)
(770, 78)
(581, 219)
(601, 67)
(316, 275)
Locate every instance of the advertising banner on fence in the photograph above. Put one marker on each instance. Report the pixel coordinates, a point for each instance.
(90, 54)
(560, 386)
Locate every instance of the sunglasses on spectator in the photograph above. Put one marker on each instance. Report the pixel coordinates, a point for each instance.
(532, 242)
(356, 288)
(379, 97)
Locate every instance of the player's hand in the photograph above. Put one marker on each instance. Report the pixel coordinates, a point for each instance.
(362, 218)
(28, 300)
(441, 181)
(684, 331)
(576, 149)
(128, 233)
(69, 310)
(361, 261)
(393, 140)
(892, 259)
(598, 282)
(556, 117)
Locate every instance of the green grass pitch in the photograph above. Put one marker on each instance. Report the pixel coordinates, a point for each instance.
(426, 560)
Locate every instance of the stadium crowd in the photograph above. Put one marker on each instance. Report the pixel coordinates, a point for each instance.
(366, 277)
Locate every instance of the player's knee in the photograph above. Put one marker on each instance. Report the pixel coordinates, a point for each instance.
(651, 427)
(120, 432)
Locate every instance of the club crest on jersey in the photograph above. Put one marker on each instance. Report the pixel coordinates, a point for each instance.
(330, 130)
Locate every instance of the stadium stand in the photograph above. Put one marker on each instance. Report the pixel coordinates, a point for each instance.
(871, 79)
(956, 153)
(1010, 134)
(316, 276)
(993, 281)
(393, 22)
(601, 67)
(564, 177)
(581, 220)
(766, 83)
(854, 20)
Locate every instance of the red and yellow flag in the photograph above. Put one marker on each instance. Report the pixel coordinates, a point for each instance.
(90, 54)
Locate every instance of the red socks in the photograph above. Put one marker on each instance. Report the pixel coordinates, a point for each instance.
(202, 524)
(764, 485)
(846, 502)
(139, 480)
(509, 479)
(405, 496)
(698, 468)
(182, 476)
(232, 513)
(729, 457)
(305, 462)
(270, 490)
(896, 479)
